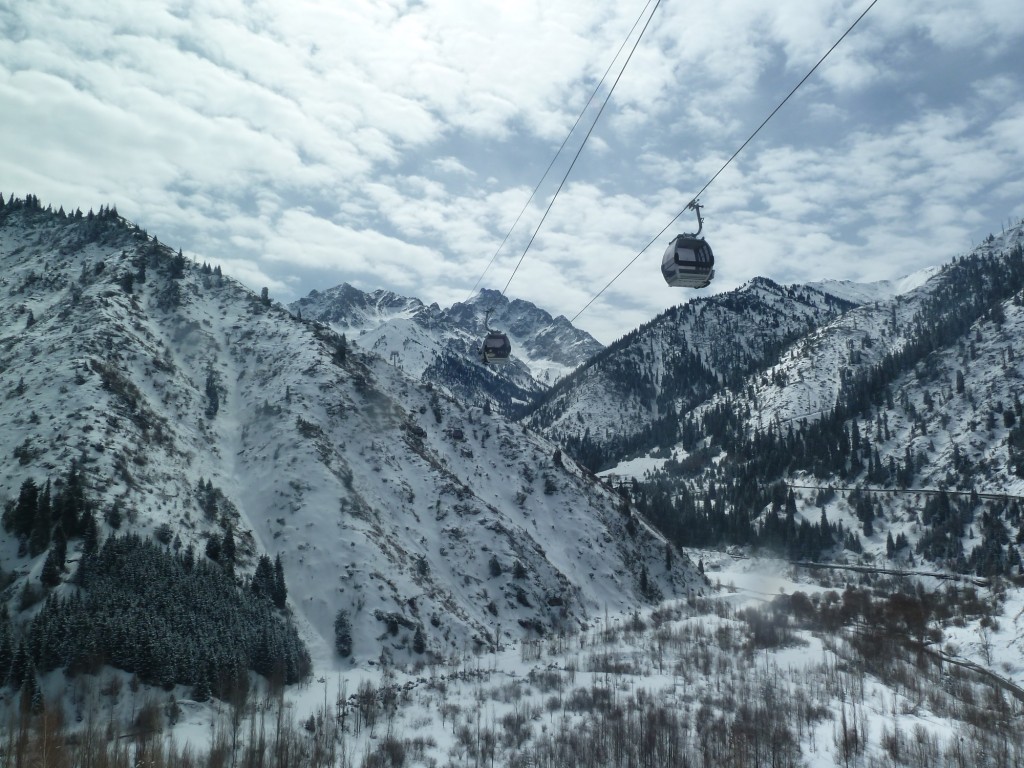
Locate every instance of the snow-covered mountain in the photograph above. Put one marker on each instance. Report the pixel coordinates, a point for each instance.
(879, 290)
(441, 346)
(939, 353)
(199, 409)
(185, 410)
(631, 396)
(918, 392)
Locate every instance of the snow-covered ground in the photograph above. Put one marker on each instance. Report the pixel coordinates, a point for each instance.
(691, 657)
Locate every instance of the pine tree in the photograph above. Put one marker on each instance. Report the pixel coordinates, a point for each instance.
(494, 567)
(31, 696)
(90, 532)
(212, 397)
(419, 642)
(24, 516)
(213, 548)
(50, 576)
(114, 515)
(280, 589)
(39, 539)
(227, 552)
(201, 690)
(69, 503)
(263, 578)
(343, 634)
(21, 665)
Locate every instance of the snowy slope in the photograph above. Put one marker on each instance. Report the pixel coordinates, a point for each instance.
(929, 387)
(382, 497)
(635, 390)
(809, 375)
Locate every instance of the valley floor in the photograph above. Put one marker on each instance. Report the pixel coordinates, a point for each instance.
(780, 667)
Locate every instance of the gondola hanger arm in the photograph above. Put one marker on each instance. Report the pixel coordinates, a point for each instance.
(695, 205)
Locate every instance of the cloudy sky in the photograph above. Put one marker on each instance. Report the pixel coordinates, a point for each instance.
(392, 143)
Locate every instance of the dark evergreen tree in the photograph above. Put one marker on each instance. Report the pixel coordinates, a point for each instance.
(343, 634)
(60, 546)
(227, 552)
(114, 515)
(21, 665)
(212, 396)
(69, 502)
(25, 509)
(52, 568)
(90, 532)
(280, 589)
(263, 578)
(39, 539)
(32, 702)
(201, 690)
(176, 264)
(213, 547)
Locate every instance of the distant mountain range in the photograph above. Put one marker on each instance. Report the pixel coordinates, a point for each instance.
(441, 346)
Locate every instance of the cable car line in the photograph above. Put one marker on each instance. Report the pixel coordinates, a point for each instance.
(496, 347)
(559, 151)
(584, 142)
(694, 200)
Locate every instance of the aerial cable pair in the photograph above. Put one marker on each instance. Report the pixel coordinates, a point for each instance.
(688, 261)
(689, 255)
(496, 347)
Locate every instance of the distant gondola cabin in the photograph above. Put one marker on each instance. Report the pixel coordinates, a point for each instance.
(496, 348)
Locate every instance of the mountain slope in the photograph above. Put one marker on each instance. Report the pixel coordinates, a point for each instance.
(630, 397)
(920, 392)
(201, 409)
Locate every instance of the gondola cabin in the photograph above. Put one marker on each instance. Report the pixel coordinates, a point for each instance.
(496, 348)
(688, 262)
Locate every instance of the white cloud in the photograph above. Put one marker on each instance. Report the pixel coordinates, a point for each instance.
(393, 144)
